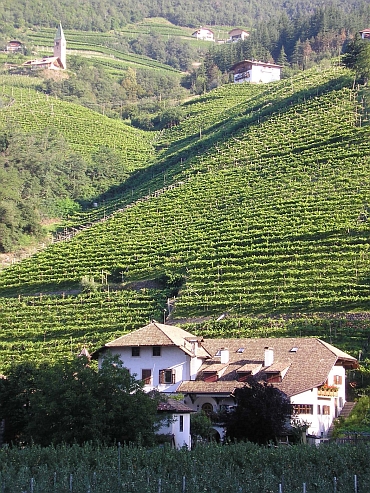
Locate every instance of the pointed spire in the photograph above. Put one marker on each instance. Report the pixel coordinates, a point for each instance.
(59, 34)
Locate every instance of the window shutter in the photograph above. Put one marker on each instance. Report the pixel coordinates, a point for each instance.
(161, 376)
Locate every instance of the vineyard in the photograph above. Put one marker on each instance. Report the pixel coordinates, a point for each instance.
(268, 217)
(243, 468)
(102, 46)
(47, 327)
(86, 131)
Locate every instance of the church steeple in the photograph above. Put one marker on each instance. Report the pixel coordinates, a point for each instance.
(60, 46)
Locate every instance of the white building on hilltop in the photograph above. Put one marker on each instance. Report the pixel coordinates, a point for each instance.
(365, 34)
(311, 372)
(204, 34)
(255, 72)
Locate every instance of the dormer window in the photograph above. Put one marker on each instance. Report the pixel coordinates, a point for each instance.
(240, 350)
(243, 376)
(135, 351)
(210, 376)
(274, 377)
(156, 350)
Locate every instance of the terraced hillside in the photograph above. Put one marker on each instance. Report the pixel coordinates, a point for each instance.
(105, 48)
(86, 131)
(269, 218)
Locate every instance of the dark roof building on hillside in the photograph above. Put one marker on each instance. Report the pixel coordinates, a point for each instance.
(14, 46)
(237, 34)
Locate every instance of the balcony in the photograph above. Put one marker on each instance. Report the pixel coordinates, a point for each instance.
(327, 391)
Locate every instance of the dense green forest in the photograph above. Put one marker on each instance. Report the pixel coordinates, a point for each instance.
(113, 14)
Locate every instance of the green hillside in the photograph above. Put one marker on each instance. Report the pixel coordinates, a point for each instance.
(86, 131)
(106, 46)
(268, 221)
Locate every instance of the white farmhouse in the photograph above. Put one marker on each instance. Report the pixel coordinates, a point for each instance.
(255, 72)
(365, 34)
(204, 34)
(311, 372)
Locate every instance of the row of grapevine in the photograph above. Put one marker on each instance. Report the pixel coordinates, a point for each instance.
(48, 327)
(241, 468)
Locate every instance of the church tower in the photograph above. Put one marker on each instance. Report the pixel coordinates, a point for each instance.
(60, 46)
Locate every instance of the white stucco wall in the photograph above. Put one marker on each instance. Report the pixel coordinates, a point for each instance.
(258, 74)
(320, 422)
(182, 438)
(171, 358)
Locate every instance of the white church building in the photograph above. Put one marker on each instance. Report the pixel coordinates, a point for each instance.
(59, 59)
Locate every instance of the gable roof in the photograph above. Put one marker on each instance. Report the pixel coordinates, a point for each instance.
(47, 61)
(255, 63)
(303, 363)
(238, 30)
(156, 334)
(203, 29)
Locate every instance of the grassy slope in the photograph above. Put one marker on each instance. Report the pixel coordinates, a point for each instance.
(270, 219)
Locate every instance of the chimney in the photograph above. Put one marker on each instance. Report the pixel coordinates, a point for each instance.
(269, 356)
(194, 346)
(225, 355)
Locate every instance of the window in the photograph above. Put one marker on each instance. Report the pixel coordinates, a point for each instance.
(326, 410)
(167, 376)
(337, 379)
(181, 423)
(135, 351)
(303, 408)
(207, 408)
(156, 350)
(146, 376)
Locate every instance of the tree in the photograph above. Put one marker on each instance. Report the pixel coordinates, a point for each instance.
(260, 415)
(72, 402)
(200, 426)
(357, 57)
